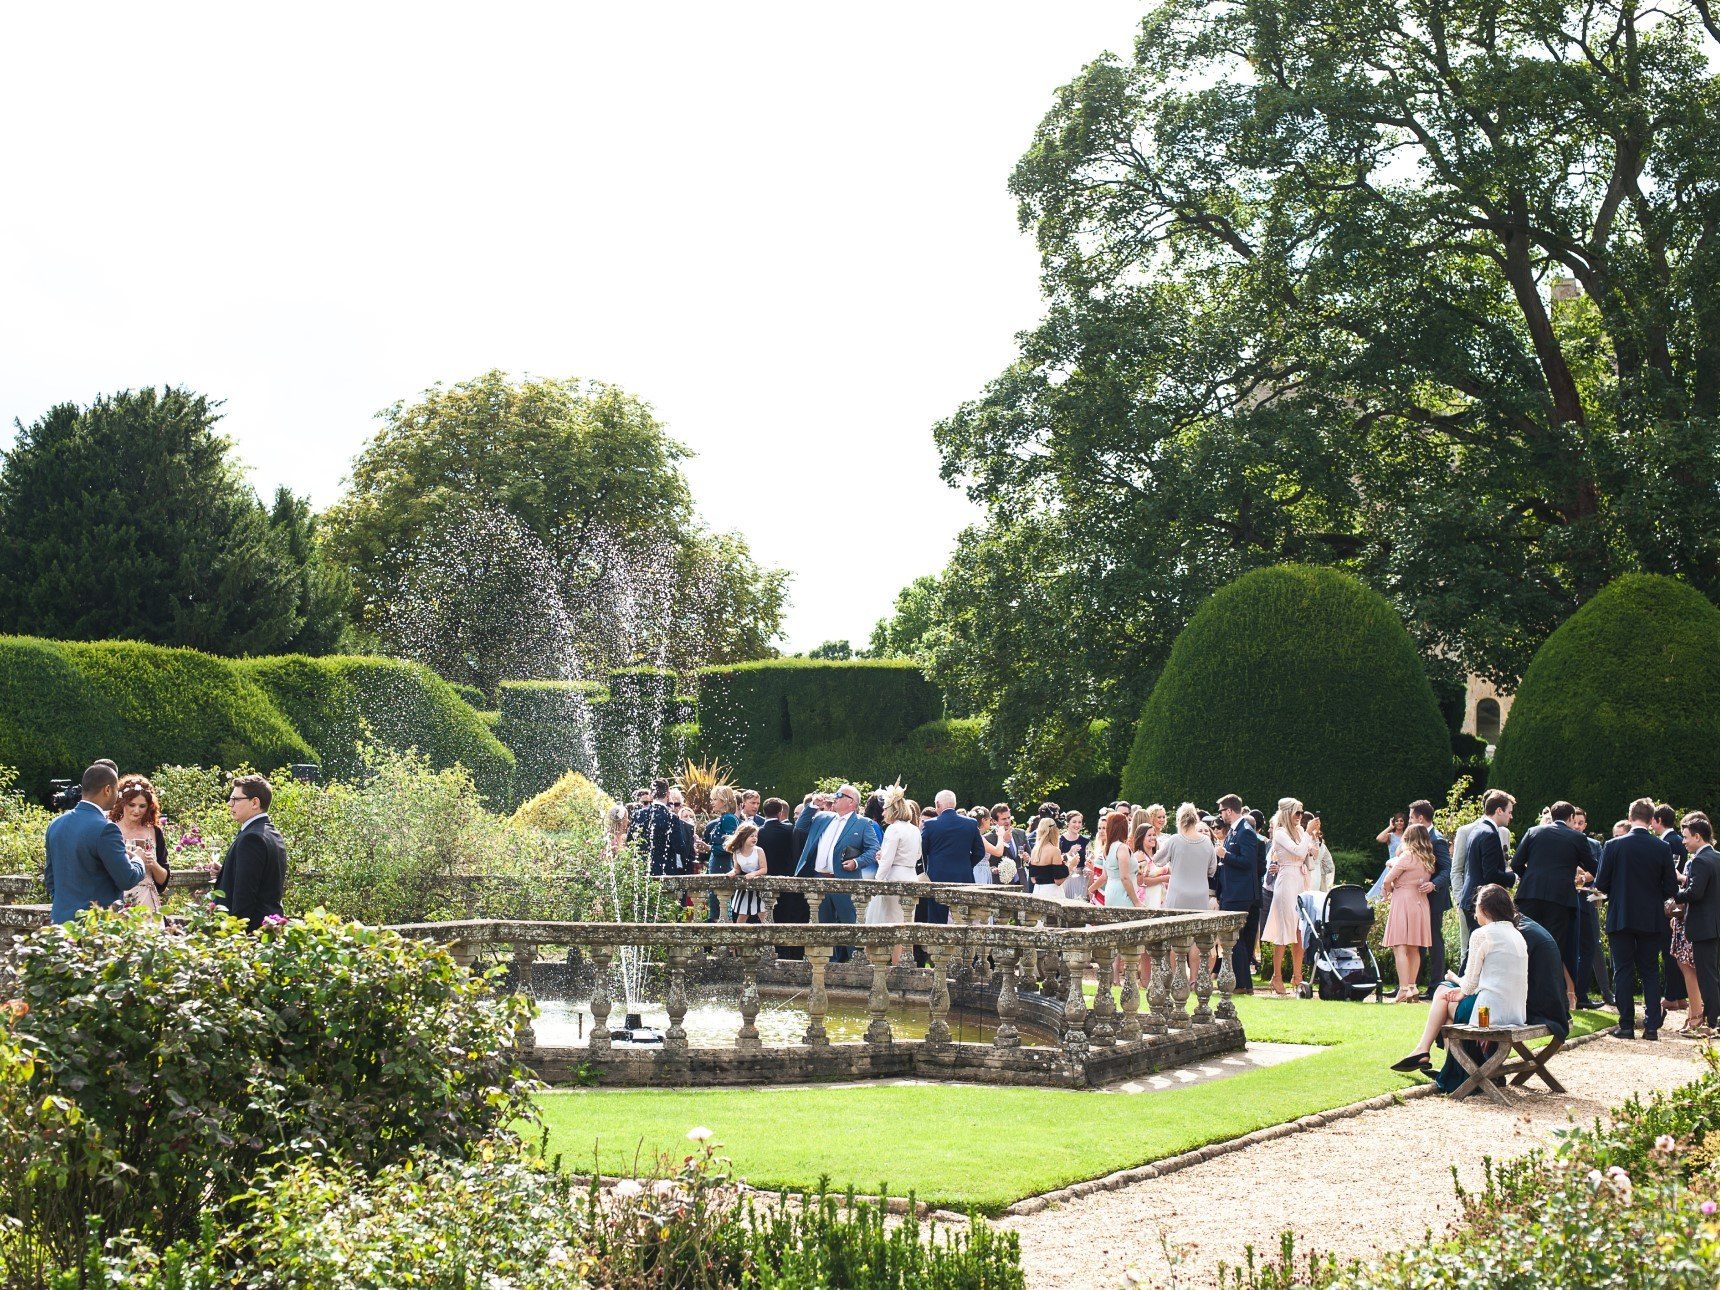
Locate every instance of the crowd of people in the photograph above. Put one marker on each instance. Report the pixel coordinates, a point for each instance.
(109, 850)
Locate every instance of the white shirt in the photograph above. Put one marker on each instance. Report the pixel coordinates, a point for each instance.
(258, 818)
(822, 859)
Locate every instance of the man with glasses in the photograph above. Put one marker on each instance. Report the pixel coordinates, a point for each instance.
(840, 844)
(254, 870)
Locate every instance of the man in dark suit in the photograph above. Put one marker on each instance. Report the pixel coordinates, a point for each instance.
(1549, 858)
(254, 871)
(87, 865)
(1584, 954)
(668, 841)
(1672, 989)
(1486, 860)
(1241, 871)
(952, 846)
(776, 840)
(1638, 879)
(1700, 896)
(1011, 839)
(841, 843)
(1438, 891)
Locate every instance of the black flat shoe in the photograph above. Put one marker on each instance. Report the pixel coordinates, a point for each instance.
(1651, 1034)
(1414, 1062)
(1619, 1032)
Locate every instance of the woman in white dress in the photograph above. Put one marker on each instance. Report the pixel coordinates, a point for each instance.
(898, 859)
(742, 847)
(1291, 848)
(1495, 977)
(1151, 876)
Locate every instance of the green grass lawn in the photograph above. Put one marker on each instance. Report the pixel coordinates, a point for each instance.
(983, 1147)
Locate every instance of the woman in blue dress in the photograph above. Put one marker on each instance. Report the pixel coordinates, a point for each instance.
(1119, 862)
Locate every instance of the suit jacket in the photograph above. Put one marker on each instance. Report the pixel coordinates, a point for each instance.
(1638, 879)
(87, 864)
(668, 839)
(952, 847)
(1485, 864)
(857, 841)
(1700, 895)
(1439, 899)
(776, 840)
(1548, 858)
(1241, 866)
(1547, 1004)
(253, 873)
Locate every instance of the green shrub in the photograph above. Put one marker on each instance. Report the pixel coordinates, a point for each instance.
(65, 703)
(23, 825)
(1621, 702)
(470, 694)
(1294, 682)
(340, 702)
(195, 1061)
(573, 804)
(940, 754)
(550, 728)
(747, 709)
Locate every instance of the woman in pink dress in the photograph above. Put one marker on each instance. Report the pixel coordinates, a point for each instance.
(1409, 926)
(138, 814)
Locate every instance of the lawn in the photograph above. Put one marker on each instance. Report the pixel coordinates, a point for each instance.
(977, 1146)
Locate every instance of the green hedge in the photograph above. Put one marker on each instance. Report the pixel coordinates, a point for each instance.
(470, 694)
(1621, 702)
(1294, 681)
(336, 702)
(750, 708)
(940, 754)
(65, 703)
(547, 724)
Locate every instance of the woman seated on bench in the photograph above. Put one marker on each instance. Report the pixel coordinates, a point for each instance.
(1496, 977)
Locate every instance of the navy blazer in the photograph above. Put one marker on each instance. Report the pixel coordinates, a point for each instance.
(1486, 864)
(1638, 879)
(858, 841)
(952, 847)
(87, 863)
(1547, 1004)
(1700, 895)
(1241, 866)
(1439, 899)
(1548, 858)
(668, 839)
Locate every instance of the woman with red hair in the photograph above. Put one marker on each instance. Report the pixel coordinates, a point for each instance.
(138, 814)
(1119, 862)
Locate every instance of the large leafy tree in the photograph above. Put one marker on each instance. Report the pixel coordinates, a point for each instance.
(1422, 288)
(130, 518)
(324, 590)
(500, 528)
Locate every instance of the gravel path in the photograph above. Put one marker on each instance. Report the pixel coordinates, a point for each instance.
(1333, 1186)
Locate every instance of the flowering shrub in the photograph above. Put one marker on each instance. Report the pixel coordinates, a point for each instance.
(22, 824)
(189, 1063)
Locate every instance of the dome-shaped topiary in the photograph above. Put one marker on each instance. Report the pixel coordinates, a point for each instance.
(1621, 702)
(1294, 681)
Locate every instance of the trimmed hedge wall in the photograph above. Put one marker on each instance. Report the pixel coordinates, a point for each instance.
(750, 709)
(65, 703)
(546, 725)
(1621, 702)
(1294, 681)
(338, 700)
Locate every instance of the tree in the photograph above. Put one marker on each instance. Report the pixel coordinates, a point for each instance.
(840, 651)
(324, 590)
(1422, 289)
(131, 519)
(540, 528)
(906, 632)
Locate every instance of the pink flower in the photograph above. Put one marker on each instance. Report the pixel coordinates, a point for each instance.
(1708, 1207)
(1666, 1144)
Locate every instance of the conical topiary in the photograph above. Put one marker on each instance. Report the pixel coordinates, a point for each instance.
(1294, 681)
(1621, 702)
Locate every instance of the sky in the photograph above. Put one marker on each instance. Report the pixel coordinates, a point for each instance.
(786, 226)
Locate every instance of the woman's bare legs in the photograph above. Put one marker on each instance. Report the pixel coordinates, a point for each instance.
(1439, 1014)
(1400, 957)
(1296, 964)
(1693, 1010)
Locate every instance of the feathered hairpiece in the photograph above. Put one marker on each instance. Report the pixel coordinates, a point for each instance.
(894, 795)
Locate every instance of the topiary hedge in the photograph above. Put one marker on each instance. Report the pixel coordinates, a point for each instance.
(947, 753)
(1621, 702)
(749, 709)
(549, 727)
(1294, 681)
(65, 703)
(337, 702)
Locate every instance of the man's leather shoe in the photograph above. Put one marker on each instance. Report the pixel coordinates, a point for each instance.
(1651, 1034)
(1583, 1005)
(1619, 1032)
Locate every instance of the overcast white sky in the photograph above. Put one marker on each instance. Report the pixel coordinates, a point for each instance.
(785, 225)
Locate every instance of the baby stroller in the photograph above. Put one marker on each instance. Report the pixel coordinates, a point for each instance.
(1336, 927)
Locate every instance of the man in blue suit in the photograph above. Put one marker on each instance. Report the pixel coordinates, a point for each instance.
(1488, 860)
(952, 846)
(840, 844)
(1638, 879)
(1241, 870)
(87, 862)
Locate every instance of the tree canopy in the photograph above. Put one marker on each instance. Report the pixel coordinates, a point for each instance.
(1423, 289)
(130, 518)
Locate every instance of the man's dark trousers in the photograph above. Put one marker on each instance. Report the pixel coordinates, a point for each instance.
(1555, 918)
(1706, 956)
(1242, 953)
(1437, 906)
(1636, 956)
(1592, 954)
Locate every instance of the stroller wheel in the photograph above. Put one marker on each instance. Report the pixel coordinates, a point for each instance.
(1305, 990)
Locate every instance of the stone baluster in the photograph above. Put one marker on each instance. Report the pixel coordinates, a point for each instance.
(817, 1001)
(1104, 1029)
(1226, 976)
(462, 952)
(675, 1038)
(1178, 1020)
(878, 1004)
(1008, 1000)
(1075, 1006)
(525, 1038)
(723, 913)
(1158, 989)
(938, 1028)
(1203, 979)
(1131, 992)
(747, 1041)
(767, 903)
(600, 957)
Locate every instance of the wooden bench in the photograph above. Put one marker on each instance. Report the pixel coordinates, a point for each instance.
(1499, 1069)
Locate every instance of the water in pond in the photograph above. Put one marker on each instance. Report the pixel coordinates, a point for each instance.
(781, 1022)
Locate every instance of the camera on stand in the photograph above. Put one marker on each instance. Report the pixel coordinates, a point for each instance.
(64, 794)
